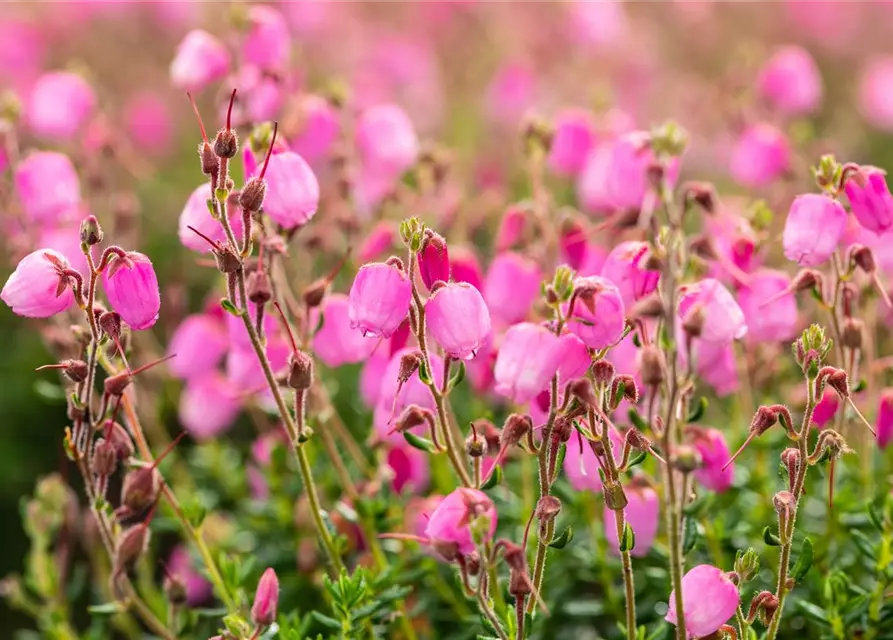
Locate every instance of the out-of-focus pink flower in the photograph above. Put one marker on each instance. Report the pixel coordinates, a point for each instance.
(876, 92)
(734, 242)
(593, 261)
(512, 286)
(709, 598)
(643, 516)
(884, 424)
(715, 364)
(319, 130)
(759, 156)
(386, 140)
(209, 405)
(200, 60)
(528, 357)
(870, 199)
(196, 214)
(22, 51)
(809, 212)
(267, 44)
(47, 186)
(67, 241)
(261, 95)
(149, 123)
(237, 334)
(711, 444)
(572, 244)
(510, 93)
(791, 81)
(453, 519)
(266, 599)
(582, 468)
(379, 299)
(59, 106)
(410, 467)
(598, 23)
(723, 320)
(434, 260)
(198, 589)
(593, 180)
(624, 266)
(574, 360)
(627, 180)
(465, 267)
(200, 342)
(35, 290)
(769, 321)
(244, 371)
(309, 17)
(458, 319)
(573, 139)
(377, 242)
(393, 397)
(826, 408)
(511, 226)
(336, 343)
(131, 287)
(598, 314)
(292, 190)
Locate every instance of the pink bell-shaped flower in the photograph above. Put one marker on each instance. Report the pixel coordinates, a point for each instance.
(47, 186)
(760, 155)
(458, 319)
(790, 80)
(593, 183)
(721, 318)
(372, 377)
(244, 371)
(624, 266)
(598, 314)
(884, 424)
(386, 140)
(573, 139)
(410, 468)
(465, 267)
(628, 181)
(37, 288)
(574, 360)
(710, 598)
(512, 285)
(379, 299)
(811, 212)
(581, 466)
(870, 199)
(770, 310)
(875, 90)
(320, 128)
(200, 342)
(132, 289)
(209, 405)
(195, 214)
(149, 123)
(826, 408)
(336, 343)
(716, 365)
(711, 444)
(266, 599)
(527, 359)
(292, 194)
(643, 516)
(200, 60)
(460, 513)
(66, 240)
(60, 105)
(267, 44)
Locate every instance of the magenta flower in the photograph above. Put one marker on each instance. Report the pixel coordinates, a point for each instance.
(723, 320)
(791, 81)
(209, 405)
(200, 60)
(66, 240)
(510, 93)
(386, 140)
(465, 267)
(511, 226)
(760, 155)
(624, 266)
(574, 360)
(573, 139)
(59, 106)
(711, 444)
(379, 299)
(196, 214)
(458, 319)
(512, 286)
(244, 371)
(372, 377)
(598, 314)
(238, 334)
(378, 240)
(716, 365)
(434, 260)
(47, 186)
(710, 598)
(410, 468)
(593, 180)
(770, 310)
(292, 190)
(627, 181)
(461, 513)
(200, 342)
(643, 515)
(261, 95)
(809, 212)
(132, 289)
(336, 343)
(884, 424)
(875, 88)
(320, 128)
(527, 359)
(826, 408)
(148, 122)
(266, 599)
(581, 466)
(37, 288)
(870, 199)
(267, 44)
(198, 589)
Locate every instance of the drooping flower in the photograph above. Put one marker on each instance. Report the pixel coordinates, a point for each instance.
(47, 186)
(581, 466)
(528, 357)
(769, 321)
(195, 214)
(574, 360)
(320, 127)
(716, 365)
(643, 516)
(336, 343)
(458, 319)
(884, 424)
(267, 44)
(372, 377)
(870, 199)
(131, 287)
(465, 267)
(379, 299)
(198, 588)
(722, 320)
(200, 342)
(410, 468)
(710, 598)
(434, 259)
(292, 194)
(209, 405)
(149, 123)
(711, 444)
(266, 599)
(512, 285)
(386, 140)
(826, 408)
(37, 289)
(593, 180)
(461, 513)
(760, 155)
(571, 142)
(809, 212)
(200, 60)
(875, 91)
(790, 79)
(625, 267)
(59, 106)
(598, 314)
(628, 181)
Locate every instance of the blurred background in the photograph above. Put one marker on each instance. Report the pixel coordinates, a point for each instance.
(469, 74)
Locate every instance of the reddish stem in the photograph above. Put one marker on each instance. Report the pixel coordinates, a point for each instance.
(201, 125)
(201, 235)
(294, 345)
(229, 112)
(263, 171)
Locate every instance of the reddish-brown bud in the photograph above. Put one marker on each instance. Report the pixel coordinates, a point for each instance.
(412, 416)
(258, 287)
(105, 458)
(409, 364)
(132, 544)
(653, 365)
(253, 193)
(516, 427)
(300, 371)
(140, 489)
(226, 144)
(582, 390)
(548, 508)
(90, 231)
(852, 333)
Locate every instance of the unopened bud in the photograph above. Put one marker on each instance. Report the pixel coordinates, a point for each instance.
(258, 287)
(140, 489)
(105, 458)
(266, 599)
(475, 446)
(863, 257)
(434, 259)
(473, 563)
(315, 293)
(252, 196)
(547, 508)
(91, 231)
(630, 391)
(409, 364)
(175, 590)
(784, 503)
(701, 193)
(75, 370)
(652, 365)
(227, 260)
(120, 439)
(300, 371)
(615, 498)
(747, 565)
(412, 416)
(516, 427)
(687, 458)
(582, 390)
(852, 333)
(210, 162)
(132, 544)
(562, 429)
(226, 144)
(764, 604)
(603, 372)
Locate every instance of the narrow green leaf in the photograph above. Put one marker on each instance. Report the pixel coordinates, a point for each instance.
(804, 560)
(637, 420)
(770, 538)
(637, 459)
(423, 444)
(457, 377)
(690, 535)
(494, 479)
(564, 539)
(628, 539)
(697, 411)
(326, 621)
(424, 373)
(106, 609)
(876, 519)
(227, 305)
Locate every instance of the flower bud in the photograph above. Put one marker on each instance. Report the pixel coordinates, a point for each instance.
(602, 372)
(747, 565)
(516, 427)
(687, 458)
(652, 365)
(258, 287)
(701, 193)
(784, 503)
(266, 599)
(615, 498)
(764, 604)
(251, 198)
(412, 416)
(547, 508)
(226, 144)
(409, 364)
(582, 390)
(300, 371)
(132, 544)
(75, 370)
(140, 489)
(475, 446)
(175, 590)
(630, 389)
(434, 259)
(90, 231)
(562, 429)
(120, 439)
(105, 458)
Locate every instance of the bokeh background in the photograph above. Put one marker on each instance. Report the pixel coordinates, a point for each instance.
(468, 73)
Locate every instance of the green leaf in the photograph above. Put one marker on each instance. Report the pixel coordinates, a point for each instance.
(637, 459)
(106, 609)
(457, 377)
(424, 373)
(636, 340)
(813, 612)
(628, 539)
(697, 411)
(865, 546)
(804, 560)
(690, 535)
(423, 444)
(494, 479)
(875, 517)
(564, 539)
(326, 621)
(49, 391)
(637, 420)
(227, 305)
(770, 538)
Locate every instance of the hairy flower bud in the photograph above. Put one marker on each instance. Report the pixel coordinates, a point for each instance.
(175, 590)
(516, 427)
(687, 458)
(764, 604)
(226, 144)
(412, 416)
(132, 544)
(652, 365)
(853, 329)
(258, 287)
(251, 198)
(615, 498)
(105, 458)
(266, 599)
(409, 364)
(140, 489)
(603, 372)
(90, 231)
(548, 508)
(582, 390)
(630, 389)
(300, 371)
(434, 259)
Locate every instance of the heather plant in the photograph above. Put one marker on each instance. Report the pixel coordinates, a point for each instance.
(586, 391)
